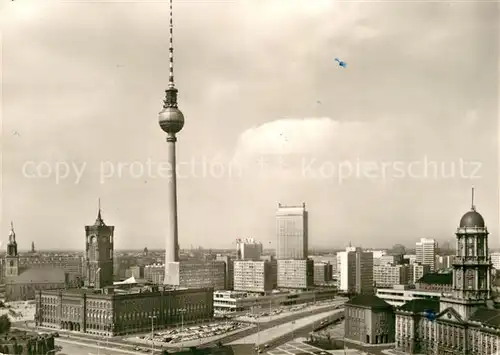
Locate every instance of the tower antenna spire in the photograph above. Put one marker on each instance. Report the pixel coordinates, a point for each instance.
(473, 207)
(171, 92)
(11, 225)
(171, 50)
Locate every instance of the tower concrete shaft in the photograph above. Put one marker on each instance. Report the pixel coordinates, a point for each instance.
(172, 237)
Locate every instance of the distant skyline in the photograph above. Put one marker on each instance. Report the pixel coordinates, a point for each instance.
(269, 114)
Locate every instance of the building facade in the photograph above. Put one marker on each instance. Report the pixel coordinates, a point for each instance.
(398, 295)
(295, 274)
(248, 249)
(201, 274)
(418, 271)
(155, 273)
(369, 320)
(229, 264)
(110, 312)
(388, 275)
(466, 321)
(253, 276)
(292, 232)
(355, 271)
(322, 273)
(237, 301)
(426, 252)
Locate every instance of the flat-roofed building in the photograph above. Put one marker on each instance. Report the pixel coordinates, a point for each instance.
(253, 276)
(322, 273)
(292, 232)
(229, 264)
(295, 274)
(398, 295)
(155, 273)
(388, 275)
(418, 270)
(248, 249)
(202, 274)
(238, 301)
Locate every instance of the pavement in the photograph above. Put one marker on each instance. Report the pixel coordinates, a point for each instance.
(282, 330)
(295, 347)
(70, 347)
(299, 348)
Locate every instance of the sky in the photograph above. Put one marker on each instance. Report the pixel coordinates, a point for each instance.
(382, 151)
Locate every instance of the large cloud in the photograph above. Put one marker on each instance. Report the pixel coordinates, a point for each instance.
(83, 81)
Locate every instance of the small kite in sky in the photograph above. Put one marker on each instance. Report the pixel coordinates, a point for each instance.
(341, 63)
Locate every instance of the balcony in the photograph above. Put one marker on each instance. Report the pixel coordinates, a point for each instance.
(472, 230)
(471, 260)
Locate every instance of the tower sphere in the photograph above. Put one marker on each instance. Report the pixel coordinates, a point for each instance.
(171, 120)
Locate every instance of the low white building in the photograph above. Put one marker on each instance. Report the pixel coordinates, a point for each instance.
(400, 294)
(237, 301)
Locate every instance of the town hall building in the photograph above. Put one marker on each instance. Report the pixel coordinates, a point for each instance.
(465, 320)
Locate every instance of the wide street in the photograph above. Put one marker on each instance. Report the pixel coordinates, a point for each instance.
(70, 347)
(283, 330)
(266, 326)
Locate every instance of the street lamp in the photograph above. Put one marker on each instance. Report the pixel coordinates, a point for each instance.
(152, 334)
(182, 311)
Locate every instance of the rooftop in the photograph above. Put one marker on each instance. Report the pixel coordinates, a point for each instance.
(38, 275)
(420, 306)
(487, 316)
(437, 279)
(368, 301)
(117, 292)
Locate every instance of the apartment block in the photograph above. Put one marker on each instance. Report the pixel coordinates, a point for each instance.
(253, 276)
(295, 274)
(390, 275)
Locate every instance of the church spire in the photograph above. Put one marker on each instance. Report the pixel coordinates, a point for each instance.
(12, 234)
(171, 92)
(99, 221)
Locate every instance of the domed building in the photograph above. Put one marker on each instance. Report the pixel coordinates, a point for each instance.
(464, 321)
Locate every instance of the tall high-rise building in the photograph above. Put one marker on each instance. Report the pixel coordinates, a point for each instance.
(171, 121)
(248, 249)
(292, 232)
(355, 270)
(426, 252)
(99, 253)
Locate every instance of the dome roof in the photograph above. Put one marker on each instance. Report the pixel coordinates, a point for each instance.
(472, 219)
(171, 120)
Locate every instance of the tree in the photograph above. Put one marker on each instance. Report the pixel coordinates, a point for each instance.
(4, 324)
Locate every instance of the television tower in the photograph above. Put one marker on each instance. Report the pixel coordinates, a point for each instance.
(171, 121)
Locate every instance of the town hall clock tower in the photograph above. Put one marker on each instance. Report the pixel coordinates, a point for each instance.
(471, 266)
